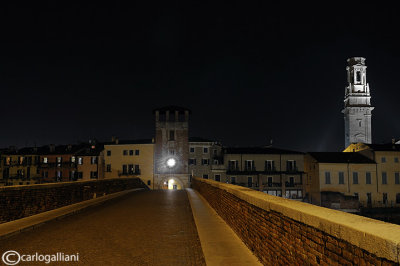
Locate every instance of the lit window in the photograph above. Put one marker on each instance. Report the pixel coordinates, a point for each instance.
(44, 159)
(72, 159)
(93, 160)
(80, 160)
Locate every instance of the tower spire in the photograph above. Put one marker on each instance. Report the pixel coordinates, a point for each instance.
(357, 103)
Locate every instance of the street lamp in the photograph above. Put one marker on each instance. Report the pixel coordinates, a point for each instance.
(171, 162)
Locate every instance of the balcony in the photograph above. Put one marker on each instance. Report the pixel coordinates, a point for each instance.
(232, 169)
(129, 173)
(292, 169)
(288, 184)
(250, 168)
(218, 167)
(270, 169)
(272, 184)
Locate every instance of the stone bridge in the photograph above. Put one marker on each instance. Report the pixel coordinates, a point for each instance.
(121, 222)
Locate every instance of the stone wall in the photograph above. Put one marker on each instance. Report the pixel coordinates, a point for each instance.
(21, 201)
(282, 231)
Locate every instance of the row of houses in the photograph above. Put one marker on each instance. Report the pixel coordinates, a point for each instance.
(366, 174)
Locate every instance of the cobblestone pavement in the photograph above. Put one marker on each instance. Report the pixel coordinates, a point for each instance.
(142, 228)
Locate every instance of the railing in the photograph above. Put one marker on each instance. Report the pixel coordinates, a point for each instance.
(126, 173)
(272, 184)
(270, 169)
(292, 169)
(288, 184)
(233, 169)
(249, 168)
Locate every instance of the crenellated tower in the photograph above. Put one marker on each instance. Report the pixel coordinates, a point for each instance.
(357, 103)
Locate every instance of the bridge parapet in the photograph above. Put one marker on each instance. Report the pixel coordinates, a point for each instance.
(17, 202)
(283, 231)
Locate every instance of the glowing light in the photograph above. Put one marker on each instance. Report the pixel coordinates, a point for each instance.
(171, 162)
(172, 184)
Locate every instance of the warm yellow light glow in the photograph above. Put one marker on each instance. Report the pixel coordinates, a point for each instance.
(171, 184)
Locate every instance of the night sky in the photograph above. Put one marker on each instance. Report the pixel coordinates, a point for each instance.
(249, 72)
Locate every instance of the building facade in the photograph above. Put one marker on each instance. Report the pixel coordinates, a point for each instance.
(353, 176)
(130, 158)
(206, 159)
(357, 103)
(19, 167)
(387, 157)
(274, 171)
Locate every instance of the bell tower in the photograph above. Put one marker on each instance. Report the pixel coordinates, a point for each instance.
(357, 103)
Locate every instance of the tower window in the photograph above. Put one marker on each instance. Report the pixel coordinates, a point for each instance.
(171, 135)
(358, 76)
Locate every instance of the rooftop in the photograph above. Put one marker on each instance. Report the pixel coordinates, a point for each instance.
(198, 139)
(135, 141)
(172, 108)
(340, 157)
(259, 150)
(384, 147)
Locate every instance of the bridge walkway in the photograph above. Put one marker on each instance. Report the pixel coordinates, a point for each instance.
(140, 228)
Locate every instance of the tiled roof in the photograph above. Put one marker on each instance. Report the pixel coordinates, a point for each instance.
(340, 157)
(197, 139)
(259, 150)
(384, 147)
(137, 141)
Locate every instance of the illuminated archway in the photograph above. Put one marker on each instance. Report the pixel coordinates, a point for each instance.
(172, 183)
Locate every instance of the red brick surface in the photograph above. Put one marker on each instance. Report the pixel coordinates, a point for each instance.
(277, 239)
(22, 201)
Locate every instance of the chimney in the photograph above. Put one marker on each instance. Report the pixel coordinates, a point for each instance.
(113, 139)
(393, 141)
(52, 148)
(116, 140)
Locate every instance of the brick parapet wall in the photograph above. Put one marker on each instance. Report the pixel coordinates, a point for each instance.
(282, 231)
(22, 201)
